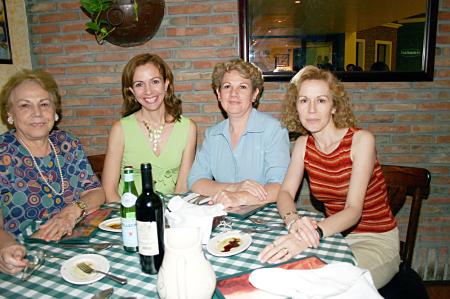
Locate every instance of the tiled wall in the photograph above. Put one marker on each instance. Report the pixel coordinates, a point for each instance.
(411, 120)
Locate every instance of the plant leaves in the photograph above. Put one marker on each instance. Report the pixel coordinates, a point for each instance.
(92, 6)
(93, 26)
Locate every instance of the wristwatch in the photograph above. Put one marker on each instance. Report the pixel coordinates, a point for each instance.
(320, 232)
(83, 207)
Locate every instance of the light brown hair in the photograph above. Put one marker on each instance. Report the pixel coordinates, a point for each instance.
(342, 118)
(130, 105)
(246, 69)
(43, 78)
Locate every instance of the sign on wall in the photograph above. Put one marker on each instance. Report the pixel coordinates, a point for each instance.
(5, 44)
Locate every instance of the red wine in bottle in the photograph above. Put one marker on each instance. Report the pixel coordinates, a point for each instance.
(150, 224)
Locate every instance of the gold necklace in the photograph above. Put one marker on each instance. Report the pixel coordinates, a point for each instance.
(39, 170)
(154, 134)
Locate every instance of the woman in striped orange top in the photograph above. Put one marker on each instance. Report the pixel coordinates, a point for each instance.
(344, 174)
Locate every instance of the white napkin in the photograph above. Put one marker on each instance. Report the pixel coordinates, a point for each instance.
(183, 214)
(336, 281)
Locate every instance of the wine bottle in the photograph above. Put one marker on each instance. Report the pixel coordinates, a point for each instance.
(150, 224)
(128, 211)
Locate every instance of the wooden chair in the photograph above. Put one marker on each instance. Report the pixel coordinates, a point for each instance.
(97, 162)
(402, 182)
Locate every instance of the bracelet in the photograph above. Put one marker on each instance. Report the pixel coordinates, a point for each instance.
(289, 214)
(288, 226)
(320, 232)
(82, 206)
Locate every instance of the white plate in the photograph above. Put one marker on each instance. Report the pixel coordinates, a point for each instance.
(106, 225)
(216, 245)
(72, 274)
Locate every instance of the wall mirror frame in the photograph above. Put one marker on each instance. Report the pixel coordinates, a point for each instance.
(249, 15)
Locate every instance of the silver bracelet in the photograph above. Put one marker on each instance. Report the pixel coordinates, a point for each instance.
(288, 226)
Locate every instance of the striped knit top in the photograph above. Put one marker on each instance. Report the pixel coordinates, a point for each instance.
(329, 176)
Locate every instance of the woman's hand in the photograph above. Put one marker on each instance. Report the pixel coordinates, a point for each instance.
(304, 229)
(228, 198)
(12, 258)
(282, 249)
(60, 224)
(252, 187)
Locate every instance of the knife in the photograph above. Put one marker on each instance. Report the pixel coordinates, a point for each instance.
(103, 294)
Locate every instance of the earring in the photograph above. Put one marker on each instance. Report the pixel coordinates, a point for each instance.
(56, 117)
(10, 120)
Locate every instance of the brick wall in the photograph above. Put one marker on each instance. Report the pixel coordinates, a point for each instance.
(411, 120)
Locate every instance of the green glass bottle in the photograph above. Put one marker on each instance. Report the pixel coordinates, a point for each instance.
(128, 211)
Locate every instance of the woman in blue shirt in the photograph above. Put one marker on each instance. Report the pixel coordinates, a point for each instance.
(244, 158)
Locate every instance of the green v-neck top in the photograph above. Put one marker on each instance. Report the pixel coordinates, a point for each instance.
(137, 150)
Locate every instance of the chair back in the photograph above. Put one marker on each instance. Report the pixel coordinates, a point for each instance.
(97, 162)
(402, 182)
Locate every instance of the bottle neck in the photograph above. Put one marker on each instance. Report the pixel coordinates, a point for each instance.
(147, 180)
(128, 177)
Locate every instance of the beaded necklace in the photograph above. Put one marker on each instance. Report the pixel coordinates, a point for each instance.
(154, 134)
(40, 172)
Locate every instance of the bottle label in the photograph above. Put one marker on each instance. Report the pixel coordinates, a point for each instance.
(129, 232)
(147, 238)
(128, 199)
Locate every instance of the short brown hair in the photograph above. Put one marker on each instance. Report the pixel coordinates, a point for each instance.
(342, 118)
(43, 78)
(130, 105)
(246, 70)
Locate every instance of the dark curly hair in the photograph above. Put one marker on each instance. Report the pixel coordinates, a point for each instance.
(171, 102)
(342, 118)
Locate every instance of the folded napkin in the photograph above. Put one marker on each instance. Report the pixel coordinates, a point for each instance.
(183, 214)
(336, 281)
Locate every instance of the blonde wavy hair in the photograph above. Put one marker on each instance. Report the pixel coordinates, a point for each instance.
(342, 118)
(246, 69)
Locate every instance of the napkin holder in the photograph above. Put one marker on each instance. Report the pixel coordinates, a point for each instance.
(179, 213)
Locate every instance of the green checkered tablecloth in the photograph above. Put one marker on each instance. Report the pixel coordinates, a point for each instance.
(47, 282)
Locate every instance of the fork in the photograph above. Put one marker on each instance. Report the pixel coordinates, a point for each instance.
(88, 269)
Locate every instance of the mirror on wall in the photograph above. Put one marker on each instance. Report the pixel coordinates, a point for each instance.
(359, 40)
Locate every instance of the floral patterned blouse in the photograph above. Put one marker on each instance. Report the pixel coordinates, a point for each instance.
(24, 195)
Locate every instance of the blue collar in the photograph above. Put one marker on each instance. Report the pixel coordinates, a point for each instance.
(255, 124)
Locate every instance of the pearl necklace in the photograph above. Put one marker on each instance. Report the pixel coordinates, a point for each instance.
(40, 172)
(154, 134)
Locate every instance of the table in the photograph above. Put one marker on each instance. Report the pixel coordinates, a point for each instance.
(47, 282)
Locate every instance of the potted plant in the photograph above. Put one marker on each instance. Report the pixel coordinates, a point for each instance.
(124, 23)
(97, 25)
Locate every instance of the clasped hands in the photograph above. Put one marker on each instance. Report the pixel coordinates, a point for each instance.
(238, 194)
(302, 235)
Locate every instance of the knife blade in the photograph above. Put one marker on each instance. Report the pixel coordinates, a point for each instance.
(103, 294)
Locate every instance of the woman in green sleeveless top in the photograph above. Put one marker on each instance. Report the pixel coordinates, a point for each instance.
(152, 130)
